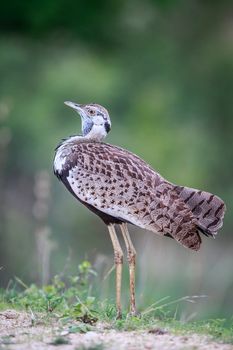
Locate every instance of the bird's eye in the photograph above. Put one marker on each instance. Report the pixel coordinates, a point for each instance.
(91, 111)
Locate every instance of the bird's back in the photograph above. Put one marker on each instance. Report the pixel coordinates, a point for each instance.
(120, 185)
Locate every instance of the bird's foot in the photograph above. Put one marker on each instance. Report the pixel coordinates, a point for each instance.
(133, 313)
(119, 315)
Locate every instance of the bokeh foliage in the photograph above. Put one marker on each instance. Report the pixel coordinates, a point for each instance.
(164, 70)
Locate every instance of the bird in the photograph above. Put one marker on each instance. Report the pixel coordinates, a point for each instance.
(123, 189)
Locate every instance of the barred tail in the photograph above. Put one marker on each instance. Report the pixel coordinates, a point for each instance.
(206, 207)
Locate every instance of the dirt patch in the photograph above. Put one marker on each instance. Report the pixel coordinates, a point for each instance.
(20, 331)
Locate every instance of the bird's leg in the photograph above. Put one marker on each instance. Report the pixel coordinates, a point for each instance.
(118, 258)
(131, 255)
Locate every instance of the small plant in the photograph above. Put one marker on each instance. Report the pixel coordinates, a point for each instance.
(60, 341)
(68, 296)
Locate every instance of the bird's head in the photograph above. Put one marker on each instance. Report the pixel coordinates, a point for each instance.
(96, 122)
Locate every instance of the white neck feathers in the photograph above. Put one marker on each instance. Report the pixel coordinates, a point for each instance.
(97, 133)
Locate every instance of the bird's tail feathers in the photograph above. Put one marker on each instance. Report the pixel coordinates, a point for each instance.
(206, 207)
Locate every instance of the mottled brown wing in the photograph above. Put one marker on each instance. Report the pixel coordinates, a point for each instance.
(122, 185)
(207, 208)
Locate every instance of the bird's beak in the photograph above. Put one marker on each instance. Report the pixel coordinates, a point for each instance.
(74, 105)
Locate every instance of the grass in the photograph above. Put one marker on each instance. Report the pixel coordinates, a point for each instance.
(69, 299)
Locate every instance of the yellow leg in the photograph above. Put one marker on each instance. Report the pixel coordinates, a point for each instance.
(118, 258)
(131, 255)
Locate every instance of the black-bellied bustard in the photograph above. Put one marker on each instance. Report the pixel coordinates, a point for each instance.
(121, 188)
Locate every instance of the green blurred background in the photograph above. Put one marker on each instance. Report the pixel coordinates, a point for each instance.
(164, 70)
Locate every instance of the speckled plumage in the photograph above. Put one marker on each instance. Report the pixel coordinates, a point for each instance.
(122, 186)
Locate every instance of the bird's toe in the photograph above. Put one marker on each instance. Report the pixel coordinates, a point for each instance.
(134, 313)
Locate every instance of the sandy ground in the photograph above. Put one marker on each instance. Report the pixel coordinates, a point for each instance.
(18, 333)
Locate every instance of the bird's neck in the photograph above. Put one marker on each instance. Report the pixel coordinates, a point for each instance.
(97, 133)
